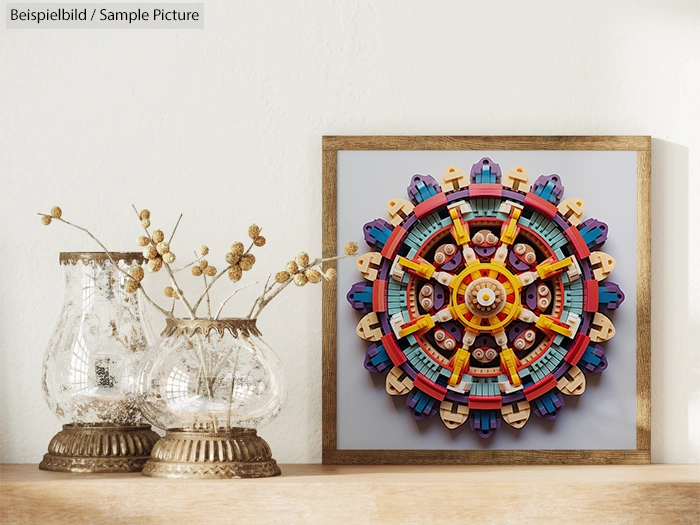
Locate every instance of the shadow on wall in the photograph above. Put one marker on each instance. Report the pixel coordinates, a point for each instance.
(673, 365)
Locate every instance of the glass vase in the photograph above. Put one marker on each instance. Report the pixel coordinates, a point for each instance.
(211, 384)
(91, 369)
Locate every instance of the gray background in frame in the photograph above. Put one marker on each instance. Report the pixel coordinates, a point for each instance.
(604, 417)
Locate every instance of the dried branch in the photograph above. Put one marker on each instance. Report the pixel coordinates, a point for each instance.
(229, 297)
(264, 300)
(111, 259)
(169, 271)
(216, 278)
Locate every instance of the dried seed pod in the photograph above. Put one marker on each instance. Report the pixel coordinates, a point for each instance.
(131, 286)
(56, 212)
(314, 276)
(163, 248)
(253, 231)
(232, 259)
(331, 274)
(196, 271)
(137, 273)
(203, 249)
(350, 248)
(169, 258)
(237, 248)
(146, 223)
(150, 252)
(300, 279)
(210, 271)
(292, 267)
(203, 264)
(169, 291)
(143, 241)
(145, 214)
(158, 236)
(247, 261)
(303, 259)
(260, 241)
(45, 220)
(282, 277)
(154, 265)
(235, 273)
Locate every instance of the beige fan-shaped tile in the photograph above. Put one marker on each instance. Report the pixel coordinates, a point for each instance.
(369, 328)
(602, 328)
(398, 382)
(516, 414)
(369, 265)
(454, 179)
(602, 264)
(453, 414)
(572, 210)
(517, 178)
(573, 382)
(397, 210)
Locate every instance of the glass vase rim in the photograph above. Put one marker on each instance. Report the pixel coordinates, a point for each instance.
(65, 258)
(177, 326)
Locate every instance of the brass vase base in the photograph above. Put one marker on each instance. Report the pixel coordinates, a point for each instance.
(100, 447)
(194, 454)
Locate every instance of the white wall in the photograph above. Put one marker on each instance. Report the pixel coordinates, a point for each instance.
(225, 125)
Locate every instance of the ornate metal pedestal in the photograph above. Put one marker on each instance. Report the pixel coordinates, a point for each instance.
(237, 453)
(99, 447)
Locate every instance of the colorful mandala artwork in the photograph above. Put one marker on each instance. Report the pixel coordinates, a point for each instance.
(485, 297)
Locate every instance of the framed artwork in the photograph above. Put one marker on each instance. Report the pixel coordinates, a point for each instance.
(499, 309)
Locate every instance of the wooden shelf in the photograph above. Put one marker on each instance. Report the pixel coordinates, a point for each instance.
(359, 495)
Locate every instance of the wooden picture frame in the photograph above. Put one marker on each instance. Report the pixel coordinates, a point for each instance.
(640, 144)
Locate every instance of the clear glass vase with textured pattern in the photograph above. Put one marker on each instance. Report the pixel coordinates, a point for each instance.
(91, 369)
(211, 384)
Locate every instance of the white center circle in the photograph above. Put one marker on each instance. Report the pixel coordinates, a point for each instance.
(486, 297)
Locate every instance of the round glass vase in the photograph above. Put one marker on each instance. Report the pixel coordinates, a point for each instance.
(91, 369)
(211, 384)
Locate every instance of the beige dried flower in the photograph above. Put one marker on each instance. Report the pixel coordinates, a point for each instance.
(131, 286)
(260, 241)
(300, 279)
(196, 271)
(169, 258)
(253, 231)
(235, 273)
(331, 274)
(314, 276)
(154, 265)
(163, 248)
(210, 271)
(56, 212)
(145, 214)
(143, 241)
(282, 277)
(237, 248)
(231, 259)
(247, 261)
(45, 220)
(169, 291)
(303, 259)
(350, 248)
(292, 267)
(146, 223)
(137, 272)
(158, 236)
(203, 249)
(203, 264)
(150, 252)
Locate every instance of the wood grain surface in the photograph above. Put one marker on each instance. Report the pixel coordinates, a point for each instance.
(359, 495)
(642, 454)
